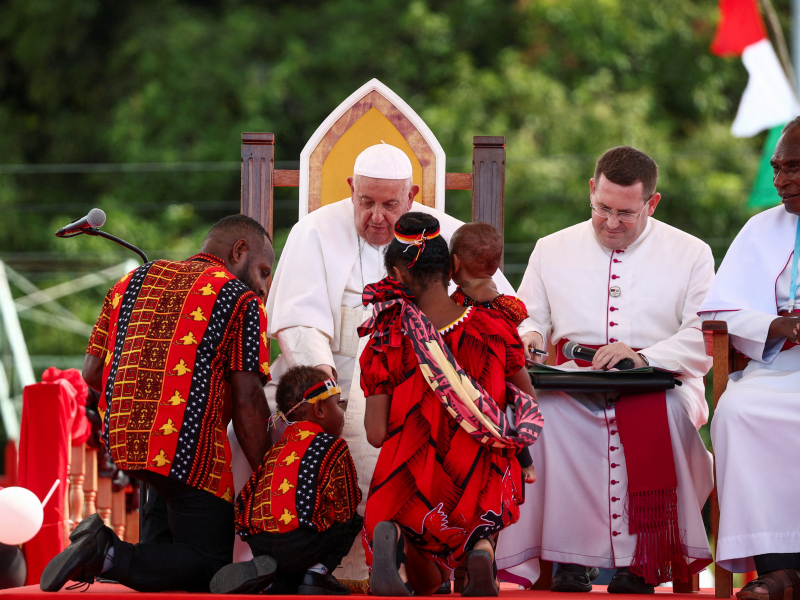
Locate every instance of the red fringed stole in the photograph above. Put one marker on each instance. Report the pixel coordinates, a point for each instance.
(652, 488)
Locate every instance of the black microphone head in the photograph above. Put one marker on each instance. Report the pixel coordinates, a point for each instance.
(569, 350)
(96, 218)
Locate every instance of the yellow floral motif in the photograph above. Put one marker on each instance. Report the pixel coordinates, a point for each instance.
(265, 368)
(263, 308)
(292, 458)
(176, 399)
(303, 434)
(286, 517)
(181, 368)
(115, 301)
(161, 459)
(108, 357)
(207, 290)
(168, 428)
(285, 486)
(264, 337)
(221, 274)
(188, 339)
(227, 495)
(102, 414)
(197, 314)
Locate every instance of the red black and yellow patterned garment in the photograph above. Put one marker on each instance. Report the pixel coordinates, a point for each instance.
(432, 478)
(307, 480)
(170, 333)
(510, 307)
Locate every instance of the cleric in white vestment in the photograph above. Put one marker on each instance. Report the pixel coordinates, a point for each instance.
(314, 304)
(631, 285)
(756, 427)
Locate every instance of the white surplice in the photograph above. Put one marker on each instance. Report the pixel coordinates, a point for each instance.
(646, 296)
(313, 309)
(755, 427)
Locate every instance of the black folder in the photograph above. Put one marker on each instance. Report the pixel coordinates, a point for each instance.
(634, 381)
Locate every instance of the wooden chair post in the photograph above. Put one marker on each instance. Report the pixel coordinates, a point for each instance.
(258, 165)
(489, 180)
(717, 343)
(90, 482)
(77, 471)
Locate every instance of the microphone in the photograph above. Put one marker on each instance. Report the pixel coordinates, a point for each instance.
(95, 218)
(574, 351)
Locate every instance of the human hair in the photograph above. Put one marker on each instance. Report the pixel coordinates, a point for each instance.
(790, 126)
(625, 165)
(235, 227)
(293, 384)
(479, 246)
(433, 263)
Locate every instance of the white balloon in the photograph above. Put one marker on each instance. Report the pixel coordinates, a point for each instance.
(21, 515)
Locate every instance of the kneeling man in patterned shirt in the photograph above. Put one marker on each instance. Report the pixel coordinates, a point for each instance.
(179, 350)
(298, 510)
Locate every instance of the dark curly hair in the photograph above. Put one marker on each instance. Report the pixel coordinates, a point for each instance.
(293, 385)
(433, 263)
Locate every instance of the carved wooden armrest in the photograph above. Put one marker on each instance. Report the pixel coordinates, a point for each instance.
(711, 329)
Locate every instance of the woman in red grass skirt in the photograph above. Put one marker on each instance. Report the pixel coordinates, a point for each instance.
(448, 477)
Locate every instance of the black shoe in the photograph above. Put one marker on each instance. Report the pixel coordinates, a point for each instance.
(285, 584)
(573, 578)
(444, 588)
(387, 552)
(248, 577)
(83, 559)
(481, 575)
(625, 582)
(317, 584)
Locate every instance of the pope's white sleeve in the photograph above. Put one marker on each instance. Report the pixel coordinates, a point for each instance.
(533, 293)
(685, 350)
(748, 330)
(305, 346)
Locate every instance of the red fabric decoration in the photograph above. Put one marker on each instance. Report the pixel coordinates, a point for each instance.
(76, 388)
(47, 412)
(652, 483)
(740, 25)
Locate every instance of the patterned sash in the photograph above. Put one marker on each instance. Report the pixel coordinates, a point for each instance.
(464, 399)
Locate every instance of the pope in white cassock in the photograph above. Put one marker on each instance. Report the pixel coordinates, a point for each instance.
(613, 472)
(314, 305)
(756, 424)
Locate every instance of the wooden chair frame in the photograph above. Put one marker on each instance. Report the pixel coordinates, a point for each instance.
(726, 361)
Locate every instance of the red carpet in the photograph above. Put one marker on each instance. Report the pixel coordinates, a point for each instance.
(507, 592)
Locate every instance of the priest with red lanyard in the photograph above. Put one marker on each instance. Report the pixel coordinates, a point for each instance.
(757, 418)
(622, 480)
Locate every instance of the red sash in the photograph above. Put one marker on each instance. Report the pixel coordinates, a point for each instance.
(652, 483)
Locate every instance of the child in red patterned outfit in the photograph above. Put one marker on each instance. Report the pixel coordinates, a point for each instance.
(298, 510)
(475, 253)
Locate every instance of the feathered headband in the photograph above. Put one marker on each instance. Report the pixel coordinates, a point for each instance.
(319, 391)
(416, 239)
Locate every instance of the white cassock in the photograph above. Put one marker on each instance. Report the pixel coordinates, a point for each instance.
(756, 424)
(646, 296)
(314, 308)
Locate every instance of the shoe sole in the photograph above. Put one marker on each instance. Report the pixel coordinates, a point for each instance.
(69, 563)
(385, 580)
(625, 588)
(480, 575)
(248, 577)
(313, 590)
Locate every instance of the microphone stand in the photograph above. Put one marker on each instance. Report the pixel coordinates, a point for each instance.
(108, 236)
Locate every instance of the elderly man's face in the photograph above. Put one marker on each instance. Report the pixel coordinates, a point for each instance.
(378, 204)
(625, 199)
(786, 170)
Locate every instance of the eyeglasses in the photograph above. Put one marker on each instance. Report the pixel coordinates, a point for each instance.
(623, 217)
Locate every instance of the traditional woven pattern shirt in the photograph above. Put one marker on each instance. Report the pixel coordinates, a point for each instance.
(170, 334)
(306, 480)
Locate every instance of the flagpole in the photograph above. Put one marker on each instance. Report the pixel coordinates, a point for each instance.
(796, 43)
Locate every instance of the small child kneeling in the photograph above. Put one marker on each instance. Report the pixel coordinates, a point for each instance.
(298, 510)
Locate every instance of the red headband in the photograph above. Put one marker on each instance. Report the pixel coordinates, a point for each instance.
(416, 239)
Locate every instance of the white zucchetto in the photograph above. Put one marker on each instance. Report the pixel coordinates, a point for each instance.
(383, 161)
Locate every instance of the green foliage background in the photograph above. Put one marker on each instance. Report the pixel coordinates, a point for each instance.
(168, 81)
